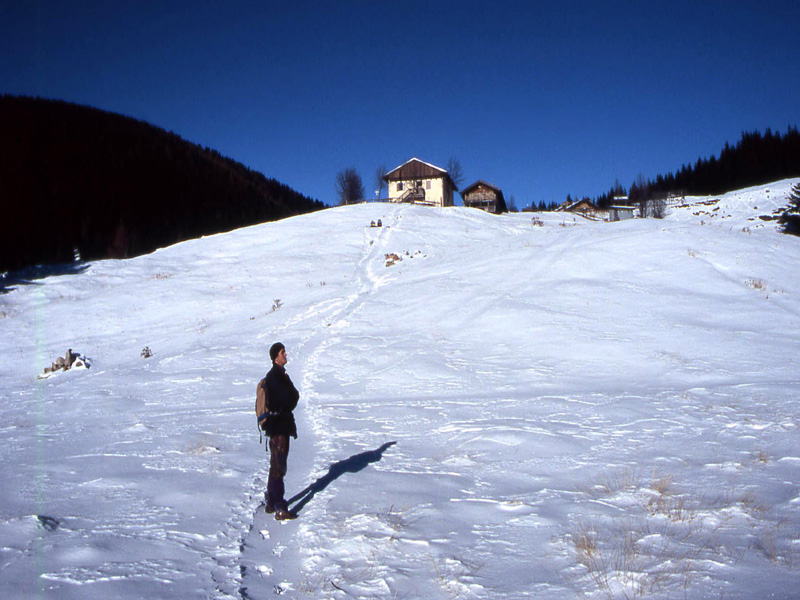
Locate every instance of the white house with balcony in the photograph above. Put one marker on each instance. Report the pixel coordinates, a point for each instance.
(418, 182)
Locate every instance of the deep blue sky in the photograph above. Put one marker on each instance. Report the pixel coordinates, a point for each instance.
(543, 99)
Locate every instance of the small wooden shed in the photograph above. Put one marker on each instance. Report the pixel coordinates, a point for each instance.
(620, 213)
(484, 196)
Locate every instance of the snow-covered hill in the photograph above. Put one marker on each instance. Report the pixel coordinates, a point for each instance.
(504, 410)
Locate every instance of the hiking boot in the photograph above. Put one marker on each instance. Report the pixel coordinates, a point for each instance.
(268, 509)
(285, 515)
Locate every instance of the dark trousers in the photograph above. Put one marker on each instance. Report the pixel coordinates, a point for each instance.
(278, 454)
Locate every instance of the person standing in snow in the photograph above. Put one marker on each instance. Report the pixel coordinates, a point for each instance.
(283, 397)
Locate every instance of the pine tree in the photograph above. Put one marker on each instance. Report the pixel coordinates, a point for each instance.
(794, 198)
(791, 218)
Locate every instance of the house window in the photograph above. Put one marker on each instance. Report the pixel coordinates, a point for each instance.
(428, 184)
(399, 186)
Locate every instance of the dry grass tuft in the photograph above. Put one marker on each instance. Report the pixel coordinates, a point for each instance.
(653, 545)
(756, 284)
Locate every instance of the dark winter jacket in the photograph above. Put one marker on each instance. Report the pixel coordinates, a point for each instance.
(283, 399)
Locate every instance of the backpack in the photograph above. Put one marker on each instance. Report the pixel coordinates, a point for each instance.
(262, 406)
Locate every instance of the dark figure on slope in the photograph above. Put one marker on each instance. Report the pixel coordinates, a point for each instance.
(283, 397)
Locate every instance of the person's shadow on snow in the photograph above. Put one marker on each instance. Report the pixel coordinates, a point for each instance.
(354, 464)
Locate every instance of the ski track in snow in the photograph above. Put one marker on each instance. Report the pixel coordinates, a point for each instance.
(331, 317)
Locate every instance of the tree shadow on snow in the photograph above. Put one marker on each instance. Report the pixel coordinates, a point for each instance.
(30, 275)
(354, 464)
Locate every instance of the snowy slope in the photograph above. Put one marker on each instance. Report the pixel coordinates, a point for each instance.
(577, 409)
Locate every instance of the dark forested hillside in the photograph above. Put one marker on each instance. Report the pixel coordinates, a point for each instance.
(77, 179)
(756, 159)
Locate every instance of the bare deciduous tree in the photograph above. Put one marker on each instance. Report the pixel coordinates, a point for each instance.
(349, 188)
(455, 172)
(380, 182)
(654, 207)
(659, 208)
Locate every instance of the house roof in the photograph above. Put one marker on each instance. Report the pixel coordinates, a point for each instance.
(576, 204)
(416, 169)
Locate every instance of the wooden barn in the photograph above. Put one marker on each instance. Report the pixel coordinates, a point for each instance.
(484, 196)
(419, 182)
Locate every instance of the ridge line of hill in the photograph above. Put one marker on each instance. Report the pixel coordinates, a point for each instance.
(80, 182)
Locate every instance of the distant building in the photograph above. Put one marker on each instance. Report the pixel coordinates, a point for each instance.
(585, 207)
(484, 196)
(620, 213)
(419, 182)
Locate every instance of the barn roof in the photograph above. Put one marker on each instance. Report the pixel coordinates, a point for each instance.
(480, 182)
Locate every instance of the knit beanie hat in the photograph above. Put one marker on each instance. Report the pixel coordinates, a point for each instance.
(275, 350)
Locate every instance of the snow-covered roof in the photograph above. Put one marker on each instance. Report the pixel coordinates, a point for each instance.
(415, 159)
(415, 169)
(575, 204)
